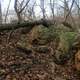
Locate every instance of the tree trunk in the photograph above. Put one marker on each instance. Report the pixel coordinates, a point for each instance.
(29, 25)
(0, 13)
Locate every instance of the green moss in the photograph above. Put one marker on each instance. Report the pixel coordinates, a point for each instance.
(51, 33)
(68, 36)
(48, 34)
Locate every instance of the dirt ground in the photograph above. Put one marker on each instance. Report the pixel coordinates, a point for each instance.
(16, 64)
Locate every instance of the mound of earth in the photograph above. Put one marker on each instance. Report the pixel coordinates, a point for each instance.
(22, 60)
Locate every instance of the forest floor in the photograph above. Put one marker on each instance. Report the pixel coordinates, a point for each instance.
(16, 64)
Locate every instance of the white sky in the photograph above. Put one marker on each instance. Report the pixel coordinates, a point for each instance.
(37, 9)
(5, 4)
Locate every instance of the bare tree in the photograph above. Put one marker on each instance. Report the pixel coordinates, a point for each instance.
(7, 10)
(0, 13)
(77, 3)
(42, 8)
(31, 12)
(66, 8)
(52, 7)
(68, 17)
(19, 7)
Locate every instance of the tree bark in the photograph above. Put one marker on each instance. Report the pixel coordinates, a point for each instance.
(0, 13)
(29, 25)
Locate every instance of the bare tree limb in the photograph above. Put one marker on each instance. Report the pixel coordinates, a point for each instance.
(69, 11)
(24, 6)
(7, 10)
(20, 9)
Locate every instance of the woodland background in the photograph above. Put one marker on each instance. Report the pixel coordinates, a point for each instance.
(40, 40)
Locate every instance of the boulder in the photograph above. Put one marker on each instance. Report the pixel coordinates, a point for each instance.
(41, 35)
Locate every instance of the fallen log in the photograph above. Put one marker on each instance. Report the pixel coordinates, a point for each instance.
(29, 25)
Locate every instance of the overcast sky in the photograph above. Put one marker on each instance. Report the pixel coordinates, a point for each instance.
(37, 9)
(5, 4)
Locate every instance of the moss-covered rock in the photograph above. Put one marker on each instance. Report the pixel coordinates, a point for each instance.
(62, 53)
(42, 35)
